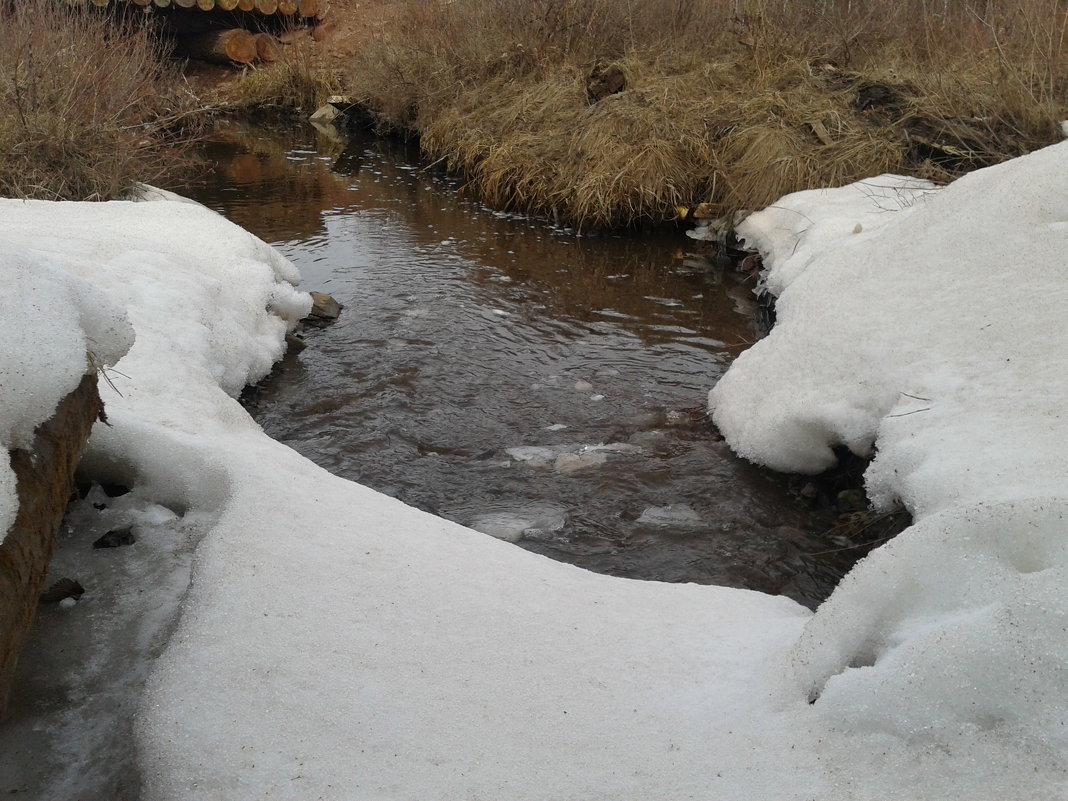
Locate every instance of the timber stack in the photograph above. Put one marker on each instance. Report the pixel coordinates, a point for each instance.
(222, 31)
(305, 9)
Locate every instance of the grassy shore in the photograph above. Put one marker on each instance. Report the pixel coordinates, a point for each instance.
(615, 112)
(88, 105)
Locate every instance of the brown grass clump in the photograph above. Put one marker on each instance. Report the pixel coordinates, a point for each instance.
(290, 84)
(87, 106)
(733, 102)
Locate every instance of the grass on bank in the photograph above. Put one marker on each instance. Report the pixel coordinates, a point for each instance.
(290, 85)
(88, 105)
(732, 102)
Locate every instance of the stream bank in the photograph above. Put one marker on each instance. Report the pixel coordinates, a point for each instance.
(602, 114)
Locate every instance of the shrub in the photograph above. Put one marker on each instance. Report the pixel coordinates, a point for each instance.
(88, 106)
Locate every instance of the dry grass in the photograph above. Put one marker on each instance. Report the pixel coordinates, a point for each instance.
(87, 105)
(733, 102)
(293, 84)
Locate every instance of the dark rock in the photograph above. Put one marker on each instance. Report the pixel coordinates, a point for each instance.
(64, 588)
(295, 344)
(116, 538)
(324, 306)
(114, 490)
(324, 310)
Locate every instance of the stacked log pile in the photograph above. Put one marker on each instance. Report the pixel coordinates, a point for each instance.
(306, 9)
(221, 31)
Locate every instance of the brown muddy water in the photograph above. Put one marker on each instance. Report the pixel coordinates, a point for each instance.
(539, 385)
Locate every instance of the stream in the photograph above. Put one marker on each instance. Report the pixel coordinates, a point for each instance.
(542, 386)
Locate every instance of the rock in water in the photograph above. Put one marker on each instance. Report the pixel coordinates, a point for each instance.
(324, 310)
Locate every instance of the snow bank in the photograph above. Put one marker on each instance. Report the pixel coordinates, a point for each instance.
(55, 329)
(209, 302)
(937, 343)
(336, 644)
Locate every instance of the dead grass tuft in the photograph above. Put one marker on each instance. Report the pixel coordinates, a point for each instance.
(732, 102)
(289, 85)
(88, 106)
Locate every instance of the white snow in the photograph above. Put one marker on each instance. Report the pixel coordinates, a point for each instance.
(337, 644)
(935, 341)
(56, 328)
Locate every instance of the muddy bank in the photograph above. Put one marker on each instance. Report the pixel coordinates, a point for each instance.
(45, 479)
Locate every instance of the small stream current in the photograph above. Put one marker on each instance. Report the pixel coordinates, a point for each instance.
(541, 386)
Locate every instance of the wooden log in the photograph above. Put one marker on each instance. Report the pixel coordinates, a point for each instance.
(267, 49)
(226, 5)
(233, 45)
(287, 7)
(185, 3)
(45, 478)
(161, 3)
(246, 5)
(205, 5)
(311, 8)
(267, 6)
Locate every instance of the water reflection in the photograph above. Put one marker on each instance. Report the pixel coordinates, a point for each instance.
(544, 387)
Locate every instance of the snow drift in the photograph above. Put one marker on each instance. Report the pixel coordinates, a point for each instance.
(336, 644)
(926, 328)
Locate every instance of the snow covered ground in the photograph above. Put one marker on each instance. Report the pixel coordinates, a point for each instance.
(336, 644)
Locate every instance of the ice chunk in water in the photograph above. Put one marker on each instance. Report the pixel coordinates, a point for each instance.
(675, 514)
(535, 455)
(512, 524)
(570, 462)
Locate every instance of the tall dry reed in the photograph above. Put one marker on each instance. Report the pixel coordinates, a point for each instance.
(88, 106)
(732, 102)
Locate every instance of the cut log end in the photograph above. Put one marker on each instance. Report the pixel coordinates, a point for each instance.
(267, 49)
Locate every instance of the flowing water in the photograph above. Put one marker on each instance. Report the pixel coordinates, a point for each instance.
(539, 385)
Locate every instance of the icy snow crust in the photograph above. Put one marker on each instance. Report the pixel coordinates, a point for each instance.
(337, 644)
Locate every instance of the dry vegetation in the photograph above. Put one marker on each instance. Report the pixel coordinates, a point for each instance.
(733, 102)
(292, 84)
(87, 105)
